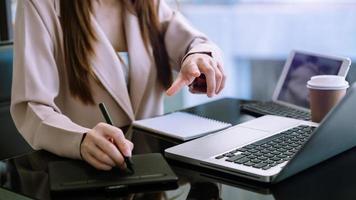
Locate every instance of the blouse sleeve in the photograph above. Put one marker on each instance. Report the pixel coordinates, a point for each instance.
(36, 85)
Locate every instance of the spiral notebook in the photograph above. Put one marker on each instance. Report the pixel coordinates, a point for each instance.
(181, 125)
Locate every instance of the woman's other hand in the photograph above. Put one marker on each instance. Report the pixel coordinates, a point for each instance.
(201, 73)
(104, 147)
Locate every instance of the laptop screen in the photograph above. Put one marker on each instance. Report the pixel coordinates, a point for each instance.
(303, 67)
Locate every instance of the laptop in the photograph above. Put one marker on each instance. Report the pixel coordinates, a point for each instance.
(290, 98)
(272, 148)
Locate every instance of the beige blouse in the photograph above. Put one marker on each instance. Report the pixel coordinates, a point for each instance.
(45, 112)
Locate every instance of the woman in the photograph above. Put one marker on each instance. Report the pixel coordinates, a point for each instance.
(68, 59)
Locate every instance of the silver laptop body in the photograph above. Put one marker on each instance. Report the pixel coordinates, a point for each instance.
(335, 134)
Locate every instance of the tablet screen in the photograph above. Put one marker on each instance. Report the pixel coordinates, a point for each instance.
(303, 67)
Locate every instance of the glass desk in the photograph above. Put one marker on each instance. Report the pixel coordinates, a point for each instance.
(332, 179)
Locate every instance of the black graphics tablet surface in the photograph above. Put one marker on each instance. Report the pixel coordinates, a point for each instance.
(74, 175)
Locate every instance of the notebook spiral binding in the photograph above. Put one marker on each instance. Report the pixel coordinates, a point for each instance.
(205, 117)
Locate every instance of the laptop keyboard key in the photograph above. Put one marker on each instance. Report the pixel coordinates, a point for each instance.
(249, 146)
(229, 155)
(258, 154)
(273, 164)
(259, 148)
(242, 160)
(262, 158)
(275, 159)
(293, 150)
(266, 167)
(259, 165)
(234, 151)
(249, 163)
(282, 150)
(280, 161)
(294, 145)
(232, 159)
(288, 153)
(219, 157)
(269, 155)
(252, 151)
(269, 161)
(246, 153)
(281, 156)
(256, 160)
(266, 146)
(242, 149)
(264, 151)
(271, 149)
(288, 147)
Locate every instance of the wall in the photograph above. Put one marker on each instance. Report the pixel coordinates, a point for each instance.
(257, 37)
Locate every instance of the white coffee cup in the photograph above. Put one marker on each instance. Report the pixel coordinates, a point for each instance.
(325, 92)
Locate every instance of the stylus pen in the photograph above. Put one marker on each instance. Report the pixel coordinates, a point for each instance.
(108, 120)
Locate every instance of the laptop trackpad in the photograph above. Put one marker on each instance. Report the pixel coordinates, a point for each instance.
(271, 123)
(217, 143)
(239, 136)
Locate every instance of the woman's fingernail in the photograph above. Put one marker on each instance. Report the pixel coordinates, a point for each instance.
(128, 153)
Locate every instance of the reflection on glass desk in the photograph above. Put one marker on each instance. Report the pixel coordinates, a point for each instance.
(332, 179)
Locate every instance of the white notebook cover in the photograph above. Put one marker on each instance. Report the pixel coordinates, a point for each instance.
(181, 125)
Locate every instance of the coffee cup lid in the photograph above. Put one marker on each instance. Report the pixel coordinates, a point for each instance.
(327, 82)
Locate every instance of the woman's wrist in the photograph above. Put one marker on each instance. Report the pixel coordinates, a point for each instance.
(192, 53)
(80, 146)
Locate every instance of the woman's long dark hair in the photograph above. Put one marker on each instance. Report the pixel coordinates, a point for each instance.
(79, 37)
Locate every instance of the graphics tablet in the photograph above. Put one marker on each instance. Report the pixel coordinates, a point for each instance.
(75, 175)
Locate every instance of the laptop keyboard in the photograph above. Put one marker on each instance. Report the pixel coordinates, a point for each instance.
(271, 151)
(271, 108)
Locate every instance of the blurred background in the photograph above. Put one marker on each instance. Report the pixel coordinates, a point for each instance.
(256, 37)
